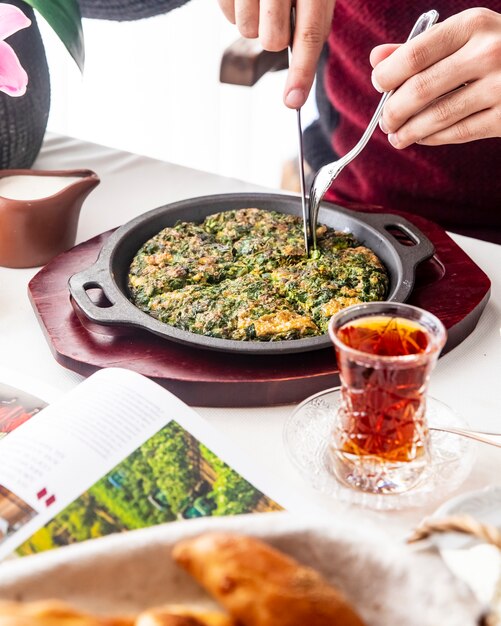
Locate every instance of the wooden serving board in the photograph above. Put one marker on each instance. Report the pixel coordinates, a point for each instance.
(450, 285)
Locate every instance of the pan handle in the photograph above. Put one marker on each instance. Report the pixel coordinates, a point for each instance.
(94, 277)
(411, 243)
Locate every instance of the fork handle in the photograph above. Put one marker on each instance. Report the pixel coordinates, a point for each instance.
(317, 192)
(424, 21)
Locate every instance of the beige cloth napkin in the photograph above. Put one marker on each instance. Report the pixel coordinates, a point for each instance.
(387, 582)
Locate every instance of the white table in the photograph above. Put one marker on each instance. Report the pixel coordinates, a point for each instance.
(468, 378)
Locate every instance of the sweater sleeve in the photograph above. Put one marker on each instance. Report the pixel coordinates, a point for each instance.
(126, 10)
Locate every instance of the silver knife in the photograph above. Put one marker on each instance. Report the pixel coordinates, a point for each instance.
(304, 204)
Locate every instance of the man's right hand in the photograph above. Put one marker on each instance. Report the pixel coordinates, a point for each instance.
(269, 20)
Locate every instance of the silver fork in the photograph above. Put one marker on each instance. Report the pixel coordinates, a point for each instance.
(328, 173)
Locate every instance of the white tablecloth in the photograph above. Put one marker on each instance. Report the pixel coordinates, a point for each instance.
(468, 378)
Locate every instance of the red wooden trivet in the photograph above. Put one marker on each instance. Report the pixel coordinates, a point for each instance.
(450, 285)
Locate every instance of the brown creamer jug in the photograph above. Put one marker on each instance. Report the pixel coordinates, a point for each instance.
(39, 211)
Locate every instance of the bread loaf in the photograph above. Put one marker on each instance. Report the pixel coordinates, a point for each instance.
(53, 613)
(178, 615)
(260, 586)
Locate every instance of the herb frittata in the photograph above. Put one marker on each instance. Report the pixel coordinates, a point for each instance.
(243, 275)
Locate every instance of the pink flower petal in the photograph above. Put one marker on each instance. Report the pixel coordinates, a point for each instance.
(13, 78)
(12, 19)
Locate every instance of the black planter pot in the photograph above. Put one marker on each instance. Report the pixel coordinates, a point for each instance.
(23, 120)
(121, 10)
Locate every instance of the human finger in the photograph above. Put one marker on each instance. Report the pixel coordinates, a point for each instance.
(228, 9)
(481, 125)
(423, 89)
(247, 18)
(443, 113)
(421, 52)
(313, 21)
(379, 53)
(274, 24)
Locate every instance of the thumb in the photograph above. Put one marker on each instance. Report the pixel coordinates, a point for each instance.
(379, 53)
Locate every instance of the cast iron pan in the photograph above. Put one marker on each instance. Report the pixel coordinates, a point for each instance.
(110, 271)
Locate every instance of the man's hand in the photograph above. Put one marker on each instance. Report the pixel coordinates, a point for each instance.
(448, 82)
(269, 20)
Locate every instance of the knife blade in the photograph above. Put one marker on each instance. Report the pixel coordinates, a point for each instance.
(304, 204)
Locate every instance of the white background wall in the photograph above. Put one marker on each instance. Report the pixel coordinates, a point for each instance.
(152, 87)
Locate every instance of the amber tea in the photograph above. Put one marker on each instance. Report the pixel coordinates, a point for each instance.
(385, 362)
(385, 420)
(384, 336)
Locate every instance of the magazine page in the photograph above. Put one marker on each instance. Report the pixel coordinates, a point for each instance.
(119, 452)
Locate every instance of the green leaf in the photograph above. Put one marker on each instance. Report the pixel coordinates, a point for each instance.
(65, 18)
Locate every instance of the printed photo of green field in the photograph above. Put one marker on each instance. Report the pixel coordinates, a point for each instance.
(172, 476)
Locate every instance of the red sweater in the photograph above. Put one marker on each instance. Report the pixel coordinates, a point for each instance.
(458, 186)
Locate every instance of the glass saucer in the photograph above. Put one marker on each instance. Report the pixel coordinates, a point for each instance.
(307, 432)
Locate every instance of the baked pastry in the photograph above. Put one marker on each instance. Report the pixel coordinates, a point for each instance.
(167, 619)
(53, 613)
(260, 586)
(56, 613)
(182, 616)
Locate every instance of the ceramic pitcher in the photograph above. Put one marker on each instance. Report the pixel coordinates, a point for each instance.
(39, 211)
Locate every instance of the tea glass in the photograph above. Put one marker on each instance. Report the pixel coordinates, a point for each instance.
(385, 351)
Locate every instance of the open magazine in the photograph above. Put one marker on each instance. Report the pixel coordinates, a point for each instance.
(116, 453)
